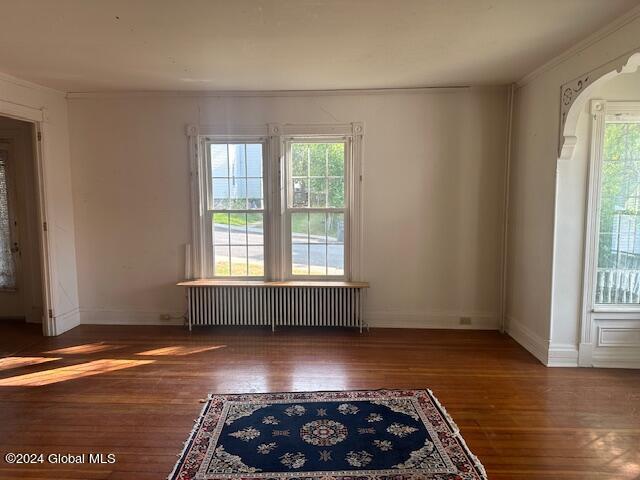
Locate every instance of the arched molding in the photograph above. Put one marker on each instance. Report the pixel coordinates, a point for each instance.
(576, 93)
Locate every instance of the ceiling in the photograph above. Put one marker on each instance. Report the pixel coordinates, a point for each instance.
(106, 45)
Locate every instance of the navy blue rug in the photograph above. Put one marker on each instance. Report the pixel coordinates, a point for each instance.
(380, 434)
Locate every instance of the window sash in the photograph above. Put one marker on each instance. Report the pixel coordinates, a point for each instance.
(209, 210)
(616, 271)
(608, 112)
(289, 210)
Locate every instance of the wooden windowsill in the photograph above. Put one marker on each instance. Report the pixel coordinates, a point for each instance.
(267, 284)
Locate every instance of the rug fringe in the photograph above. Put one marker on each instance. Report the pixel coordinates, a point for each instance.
(194, 430)
(456, 431)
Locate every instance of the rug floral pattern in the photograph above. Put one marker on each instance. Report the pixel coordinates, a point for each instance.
(380, 434)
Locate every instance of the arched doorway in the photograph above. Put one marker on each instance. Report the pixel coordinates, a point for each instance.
(590, 334)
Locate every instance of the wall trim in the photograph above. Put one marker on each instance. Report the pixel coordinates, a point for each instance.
(67, 321)
(279, 93)
(5, 77)
(563, 355)
(592, 39)
(20, 111)
(427, 320)
(127, 317)
(531, 341)
(616, 357)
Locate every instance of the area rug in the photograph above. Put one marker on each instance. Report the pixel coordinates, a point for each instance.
(379, 434)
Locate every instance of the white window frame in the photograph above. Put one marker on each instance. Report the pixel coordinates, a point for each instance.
(597, 314)
(288, 210)
(277, 249)
(208, 252)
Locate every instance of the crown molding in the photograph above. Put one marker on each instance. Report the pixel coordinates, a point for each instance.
(4, 77)
(592, 39)
(275, 93)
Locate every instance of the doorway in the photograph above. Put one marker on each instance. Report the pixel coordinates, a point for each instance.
(21, 290)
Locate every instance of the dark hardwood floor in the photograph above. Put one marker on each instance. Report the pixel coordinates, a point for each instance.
(135, 391)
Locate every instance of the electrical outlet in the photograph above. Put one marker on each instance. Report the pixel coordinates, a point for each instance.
(465, 320)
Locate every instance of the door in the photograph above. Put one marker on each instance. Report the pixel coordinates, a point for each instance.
(11, 301)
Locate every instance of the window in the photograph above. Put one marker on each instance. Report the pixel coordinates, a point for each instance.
(315, 207)
(281, 203)
(236, 209)
(618, 258)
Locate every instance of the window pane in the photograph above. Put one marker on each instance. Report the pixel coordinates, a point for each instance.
(238, 228)
(318, 196)
(256, 261)
(239, 261)
(336, 160)
(255, 229)
(318, 166)
(336, 192)
(317, 228)
(254, 193)
(335, 259)
(254, 160)
(238, 193)
(221, 228)
(300, 259)
(335, 227)
(222, 265)
(237, 161)
(300, 160)
(317, 259)
(300, 192)
(219, 163)
(618, 275)
(220, 193)
(299, 228)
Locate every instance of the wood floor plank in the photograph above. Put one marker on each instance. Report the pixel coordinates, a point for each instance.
(523, 420)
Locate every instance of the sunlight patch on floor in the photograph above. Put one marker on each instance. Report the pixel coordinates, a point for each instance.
(179, 350)
(71, 372)
(85, 349)
(17, 362)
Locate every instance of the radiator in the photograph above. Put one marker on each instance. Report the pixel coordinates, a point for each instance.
(317, 306)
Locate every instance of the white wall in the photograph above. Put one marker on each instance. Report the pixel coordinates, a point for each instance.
(57, 173)
(533, 194)
(432, 198)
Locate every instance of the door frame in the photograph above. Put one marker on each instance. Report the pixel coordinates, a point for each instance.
(37, 117)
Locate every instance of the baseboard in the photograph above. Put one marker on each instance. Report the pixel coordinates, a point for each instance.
(563, 355)
(532, 342)
(68, 320)
(127, 317)
(616, 357)
(479, 321)
(372, 319)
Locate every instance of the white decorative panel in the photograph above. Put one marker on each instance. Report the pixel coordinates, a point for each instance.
(618, 337)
